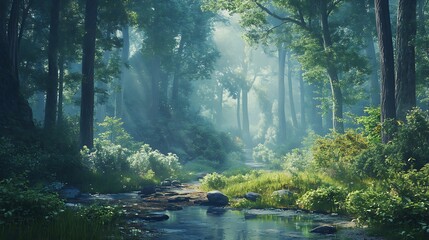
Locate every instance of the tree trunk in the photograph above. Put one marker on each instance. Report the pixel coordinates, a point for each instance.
(289, 81)
(245, 111)
(155, 84)
(386, 64)
(302, 99)
(60, 91)
(315, 116)
(281, 135)
(238, 113)
(119, 97)
(15, 113)
(175, 100)
(219, 106)
(52, 83)
(88, 59)
(337, 98)
(374, 85)
(405, 81)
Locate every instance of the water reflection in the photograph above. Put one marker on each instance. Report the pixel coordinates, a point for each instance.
(195, 223)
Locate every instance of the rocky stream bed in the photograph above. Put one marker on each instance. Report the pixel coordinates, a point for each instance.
(184, 212)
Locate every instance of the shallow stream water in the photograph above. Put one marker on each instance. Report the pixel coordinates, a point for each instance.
(199, 222)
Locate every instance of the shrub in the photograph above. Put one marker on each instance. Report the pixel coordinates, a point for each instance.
(112, 130)
(336, 154)
(213, 181)
(262, 153)
(297, 161)
(147, 161)
(19, 203)
(324, 199)
(106, 157)
(412, 140)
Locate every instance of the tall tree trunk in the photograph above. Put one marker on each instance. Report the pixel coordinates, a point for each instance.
(245, 111)
(302, 98)
(52, 83)
(155, 85)
(61, 63)
(15, 113)
(119, 96)
(281, 135)
(405, 81)
(421, 17)
(290, 90)
(175, 100)
(238, 113)
(337, 97)
(315, 116)
(374, 85)
(88, 59)
(387, 65)
(219, 106)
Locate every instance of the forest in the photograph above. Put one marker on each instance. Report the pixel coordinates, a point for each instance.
(314, 108)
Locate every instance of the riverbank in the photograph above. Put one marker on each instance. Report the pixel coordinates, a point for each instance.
(181, 212)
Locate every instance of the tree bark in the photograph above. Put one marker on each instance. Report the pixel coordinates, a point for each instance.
(245, 111)
(281, 137)
(337, 97)
(238, 113)
(219, 106)
(88, 59)
(302, 99)
(387, 65)
(60, 118)
(290, 90)
(315, 116)
(374, 85)
(119, 98)
(175, 100)
(52, 83)
(405, 81)
(15, 113)
(155, 85)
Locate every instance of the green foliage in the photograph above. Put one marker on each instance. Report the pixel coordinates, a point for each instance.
(112, 130)
(213, 181)
(147, 162)
(104, 214)
(373, 207)
(412, 140)
(371, 124)
(324, 199)
(106, 157)
(336, 154)
(20, 203)
(297, 160)
(69, 225)
(262, 153)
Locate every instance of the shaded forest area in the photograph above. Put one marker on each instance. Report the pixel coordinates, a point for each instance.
(331, 96)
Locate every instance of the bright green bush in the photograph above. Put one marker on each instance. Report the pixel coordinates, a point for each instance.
(298, 160)
(147, 161)
(19, 203)
(336, 154)
(213, 181)
(112, 130)
(324, 199)
(106, 157)
(412, 139)
(262, 153)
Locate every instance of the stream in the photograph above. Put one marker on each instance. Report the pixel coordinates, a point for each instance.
(199, 222)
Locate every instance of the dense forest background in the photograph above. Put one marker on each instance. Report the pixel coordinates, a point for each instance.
(111, 96)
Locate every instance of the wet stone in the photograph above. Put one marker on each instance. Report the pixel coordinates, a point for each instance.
(324, 230)
(155, 217)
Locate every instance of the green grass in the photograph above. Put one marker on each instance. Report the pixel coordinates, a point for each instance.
(265, 183)
(68, 225)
